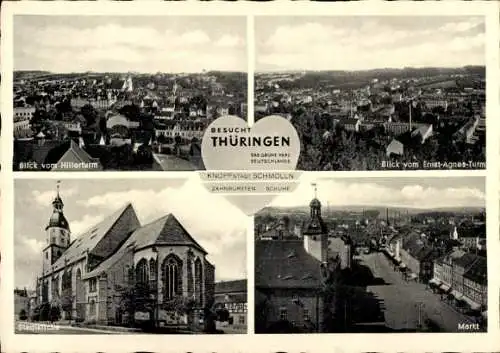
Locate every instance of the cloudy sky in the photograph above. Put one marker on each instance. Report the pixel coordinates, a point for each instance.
(391, 192)
(129, 43)
(368, 42)
(218, 226)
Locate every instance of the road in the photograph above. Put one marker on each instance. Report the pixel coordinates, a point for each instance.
(401, 299)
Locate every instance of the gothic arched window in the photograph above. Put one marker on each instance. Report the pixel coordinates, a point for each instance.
(172, 277)
(198, 281)
(142, 272)
(152, 270)
(189, 276)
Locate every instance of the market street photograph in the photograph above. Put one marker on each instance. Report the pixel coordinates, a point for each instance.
(373, 255)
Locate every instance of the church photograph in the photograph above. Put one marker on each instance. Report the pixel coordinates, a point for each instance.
(370, 255)
(128, 256)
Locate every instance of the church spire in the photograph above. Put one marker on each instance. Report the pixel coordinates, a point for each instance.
(58, 203)
(315, 205)
(316, 232)
(57, 219)
(316, 224)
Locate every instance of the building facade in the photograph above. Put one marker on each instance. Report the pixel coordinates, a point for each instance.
(292, 277)
(22, 118)
(232, 295)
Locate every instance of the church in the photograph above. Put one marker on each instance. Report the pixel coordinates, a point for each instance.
(94, 277)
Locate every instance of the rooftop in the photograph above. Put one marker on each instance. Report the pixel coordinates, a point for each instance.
(285, 264)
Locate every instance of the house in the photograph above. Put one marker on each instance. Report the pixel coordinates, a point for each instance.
(287, 286)
(350, 124)
(279, 231)
(395, 246)
(394, 148)
(424, 131)
(419, 258)
(476, 285)
(21, 303)
(343, 246)
(461, 265)
(232, 295)
(22, 118)
(51, 155)
(471, 236)
(443, 270)
(290, 276)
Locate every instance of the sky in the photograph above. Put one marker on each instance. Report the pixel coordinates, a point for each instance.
(368, 42)
(212, 221)
(146, 44)
(390, 192)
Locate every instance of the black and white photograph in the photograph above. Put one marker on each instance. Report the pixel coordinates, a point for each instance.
(373, 255)
(96, 93)
(376, 92)
(122, 256)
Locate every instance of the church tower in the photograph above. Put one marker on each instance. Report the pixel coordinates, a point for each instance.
(57, 232)
(316, 233)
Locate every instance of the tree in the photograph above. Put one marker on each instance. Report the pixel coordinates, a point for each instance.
(54, 313)
(180, 305)
(222, 314)
(44, 312)
(90, 114)
(130, 111)
(22, 315)
(161, 139)
(262, 309)
(136, 298)
(67, 303)
(209, 317)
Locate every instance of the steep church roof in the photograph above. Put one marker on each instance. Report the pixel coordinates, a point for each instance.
(166, 230)
(89, 240)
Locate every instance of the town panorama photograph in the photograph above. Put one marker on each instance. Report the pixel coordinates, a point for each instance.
(138, 95)
(120, 256)
(376, 92)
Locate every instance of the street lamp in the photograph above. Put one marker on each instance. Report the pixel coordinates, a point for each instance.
(419, 306)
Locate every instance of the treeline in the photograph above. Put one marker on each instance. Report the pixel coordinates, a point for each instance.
(350, 79)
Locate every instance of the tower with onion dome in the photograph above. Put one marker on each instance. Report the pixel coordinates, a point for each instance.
(316, 233)
(57, 233)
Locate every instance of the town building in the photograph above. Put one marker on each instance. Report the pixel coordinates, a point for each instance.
(418, 257)
(463, 275)
(423, 131)
(395, 148)
(476, 285)
(232, 296)
(350, 124)
(343, 246)
(187, 130)
(290, 277)
(90, 275)
(22, 119)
